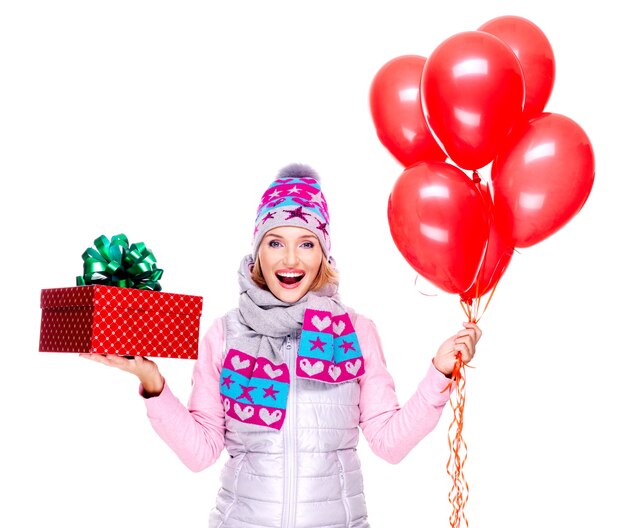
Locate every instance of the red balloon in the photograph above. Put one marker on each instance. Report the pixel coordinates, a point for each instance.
(497, 256)
(396, 107)
(473, 92)
(542, 178)
(439, 223)
(534, 52)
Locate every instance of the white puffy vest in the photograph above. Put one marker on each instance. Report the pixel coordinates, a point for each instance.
(306, 475)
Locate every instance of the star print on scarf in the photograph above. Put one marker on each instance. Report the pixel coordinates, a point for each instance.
(254, 381)
(329, 349)
(255, 390)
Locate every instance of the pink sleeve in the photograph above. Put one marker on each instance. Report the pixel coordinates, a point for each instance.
(195, 433)
(391, 430)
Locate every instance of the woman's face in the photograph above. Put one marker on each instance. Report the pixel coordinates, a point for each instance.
(290, 259)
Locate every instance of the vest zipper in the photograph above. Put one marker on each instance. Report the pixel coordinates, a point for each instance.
(290, 438)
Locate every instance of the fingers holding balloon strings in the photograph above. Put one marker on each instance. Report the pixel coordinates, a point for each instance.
(473, 329)
(464, 350)
(465, 341)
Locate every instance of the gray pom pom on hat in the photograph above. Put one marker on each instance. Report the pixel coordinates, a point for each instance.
(298, 170)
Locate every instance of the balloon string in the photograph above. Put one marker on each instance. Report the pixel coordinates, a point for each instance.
(471, 307)
(459, 491)
(493, 290)
(467, 308)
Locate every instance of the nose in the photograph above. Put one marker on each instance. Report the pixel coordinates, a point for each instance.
(291, 256)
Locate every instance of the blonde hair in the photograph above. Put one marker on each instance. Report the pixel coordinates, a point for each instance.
(325, 275)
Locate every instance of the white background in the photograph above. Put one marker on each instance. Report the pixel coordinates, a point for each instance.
(166, 121)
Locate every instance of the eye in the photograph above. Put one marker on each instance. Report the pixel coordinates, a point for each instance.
(274, 244)
(308, 245)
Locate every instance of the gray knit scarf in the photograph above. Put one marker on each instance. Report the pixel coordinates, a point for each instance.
(269, 319)
(254, 383)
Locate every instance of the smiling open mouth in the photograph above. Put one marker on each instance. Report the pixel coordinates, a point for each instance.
(290, 277)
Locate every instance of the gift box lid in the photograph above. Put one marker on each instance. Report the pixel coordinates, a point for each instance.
(96, 295)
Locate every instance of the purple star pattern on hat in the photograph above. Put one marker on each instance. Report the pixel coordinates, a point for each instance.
(297, 213)
(295, 194)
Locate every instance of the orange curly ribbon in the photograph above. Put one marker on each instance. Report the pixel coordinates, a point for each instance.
(459, 492)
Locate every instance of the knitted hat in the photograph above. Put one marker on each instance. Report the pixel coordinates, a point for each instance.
(293, 199)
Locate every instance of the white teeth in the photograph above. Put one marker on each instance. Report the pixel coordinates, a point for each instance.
(290, 274)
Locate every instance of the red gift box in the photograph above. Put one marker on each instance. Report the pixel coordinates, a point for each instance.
(123, 321)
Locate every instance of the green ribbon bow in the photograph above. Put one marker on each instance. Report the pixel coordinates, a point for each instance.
(115, 263)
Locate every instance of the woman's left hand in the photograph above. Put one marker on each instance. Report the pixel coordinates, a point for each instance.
(464, 342)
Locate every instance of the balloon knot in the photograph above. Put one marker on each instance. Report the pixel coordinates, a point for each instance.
(476, 177)
(467, 300)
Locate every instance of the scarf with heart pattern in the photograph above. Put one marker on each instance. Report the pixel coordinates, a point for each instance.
(254, 382)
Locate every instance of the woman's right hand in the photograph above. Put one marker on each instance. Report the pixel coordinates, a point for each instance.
(147, 371)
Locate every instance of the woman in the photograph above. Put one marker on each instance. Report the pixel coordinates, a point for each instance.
(285, 380)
